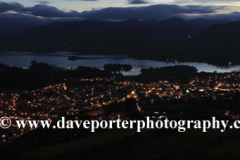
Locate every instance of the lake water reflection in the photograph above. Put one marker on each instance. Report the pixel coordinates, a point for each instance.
(60, 59)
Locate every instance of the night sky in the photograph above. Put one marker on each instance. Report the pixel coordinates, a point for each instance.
(122, 9)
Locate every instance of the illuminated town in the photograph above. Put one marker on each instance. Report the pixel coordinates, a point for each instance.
(54, 101)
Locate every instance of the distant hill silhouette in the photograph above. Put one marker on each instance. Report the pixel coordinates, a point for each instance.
(175, 29)
(202, 23)
(150, 21)
(12, 28)
(222, 32)
(84, 36)
(167, 30)
(173, 39)
(218, 44)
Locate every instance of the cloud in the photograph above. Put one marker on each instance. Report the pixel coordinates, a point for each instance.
(48, 11)
(137, 2)
(145, 12)
(81, 0)
(19, 18)
(217, 1)
(234, 16)
(206, 1)
(14, 6)
(148, 12)
(160, 11)
(43, 2)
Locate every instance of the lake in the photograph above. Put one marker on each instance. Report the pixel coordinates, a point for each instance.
(60, 59)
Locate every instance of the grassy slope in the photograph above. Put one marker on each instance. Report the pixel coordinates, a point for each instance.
(211, 145)
(97, 138)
